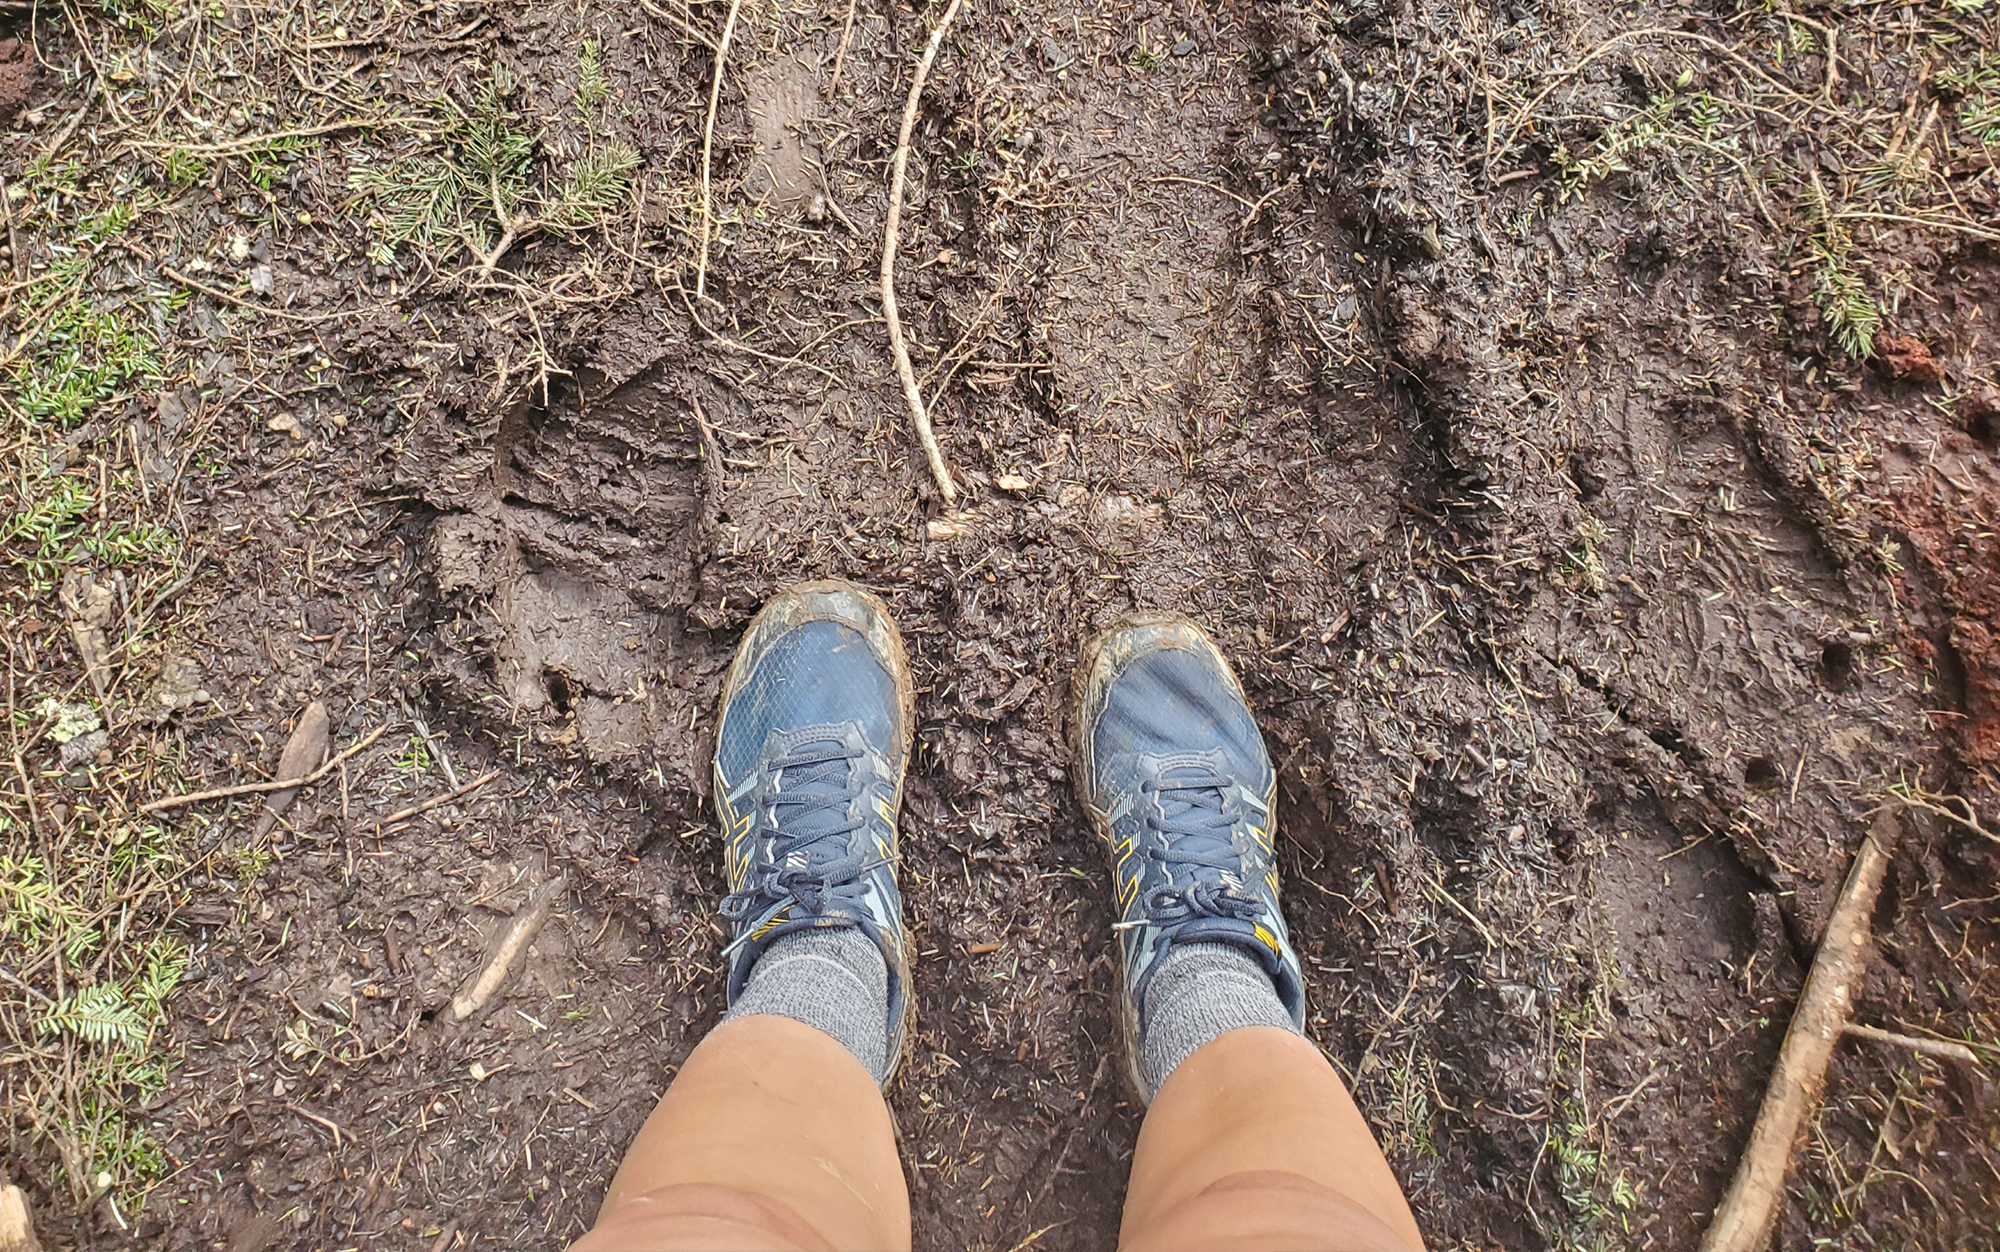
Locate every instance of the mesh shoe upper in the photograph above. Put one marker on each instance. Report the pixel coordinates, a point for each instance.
(810, 749)
(1174, 775)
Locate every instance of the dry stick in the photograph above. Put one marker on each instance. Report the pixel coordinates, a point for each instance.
(281, 314)
(1934, 1047)
(840, 57)
(681, 22)
(1743, 1219)
(276, 784)
(939, 470)
(1964, 228)
(247, 142)
(404, 815)
(519, 931)
(708, 145)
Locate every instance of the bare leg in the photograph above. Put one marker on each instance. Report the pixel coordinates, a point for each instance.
(1253, 1143)
(773, 1137)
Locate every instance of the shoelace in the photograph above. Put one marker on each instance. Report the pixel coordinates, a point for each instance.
(807, 821)
(1197, 817)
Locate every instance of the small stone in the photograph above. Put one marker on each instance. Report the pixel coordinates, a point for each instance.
(84, 748)
(288, 424)
(816, 211)
(239, 248)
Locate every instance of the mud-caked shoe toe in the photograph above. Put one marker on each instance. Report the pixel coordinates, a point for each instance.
(1173, 775)
(810, 748)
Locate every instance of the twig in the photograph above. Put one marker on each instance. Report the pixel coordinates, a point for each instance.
(681, 22)
(707, 148)
(1743, 1219)
(258, 141)
(511, 228)
(1245, 201)
(1913, 795)
(521, 929)
(1934, 1047)
(75, 120)
(1469, 915)
(308, 320)
(18, 263)
(1522, 116)
(41, 319)
(733, 345)
(404, 815)
(276, 784)
(314, 1117)
(1929, 223)
(840, 57)
(939, 470)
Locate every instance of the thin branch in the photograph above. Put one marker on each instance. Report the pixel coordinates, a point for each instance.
(1743, 1220)
(708, 147)
(939, 470)
(840, 57)
(1932, 1047)
(685, 25)
(282, 315)
(250, 142)
(511, 228)
(405, 815)
(277, 784)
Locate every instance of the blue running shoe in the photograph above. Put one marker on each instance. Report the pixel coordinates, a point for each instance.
(1170, 767)
(814, 733)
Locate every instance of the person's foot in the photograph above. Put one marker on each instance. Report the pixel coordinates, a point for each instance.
(810, 747)
(1170, 767)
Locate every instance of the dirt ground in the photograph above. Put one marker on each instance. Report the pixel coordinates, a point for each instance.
(1591, 598)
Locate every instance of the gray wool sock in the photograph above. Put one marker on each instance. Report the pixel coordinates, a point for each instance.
(832, 980)
(1201, 991)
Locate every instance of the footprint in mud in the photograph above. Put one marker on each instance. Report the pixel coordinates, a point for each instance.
(572, 580)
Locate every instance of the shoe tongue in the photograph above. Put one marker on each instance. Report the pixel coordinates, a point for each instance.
(821, 780)
(1232, 931)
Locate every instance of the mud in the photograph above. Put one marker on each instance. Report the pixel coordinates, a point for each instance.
(17, 76)
(1586, 606)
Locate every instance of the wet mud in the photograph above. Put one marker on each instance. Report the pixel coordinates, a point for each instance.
(1583, 639)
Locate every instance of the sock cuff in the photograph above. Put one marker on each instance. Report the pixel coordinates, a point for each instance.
(835, 981)
(1199, 992)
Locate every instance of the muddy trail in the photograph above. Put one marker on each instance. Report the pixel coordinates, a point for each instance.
(1590, 601)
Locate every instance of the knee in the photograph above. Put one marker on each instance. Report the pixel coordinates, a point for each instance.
(1257, 1210)
(702, 1217)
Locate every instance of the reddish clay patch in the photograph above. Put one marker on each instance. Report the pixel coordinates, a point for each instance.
(1958, 574)
(17, 77)
(1907, 357)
